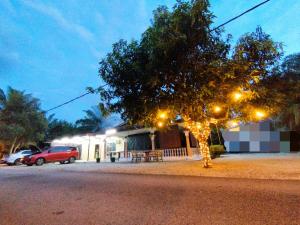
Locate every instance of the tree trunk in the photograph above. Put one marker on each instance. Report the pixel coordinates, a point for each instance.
(201, 131)
(12, 146)
(297, 114)
(16, 147)
(219, 137)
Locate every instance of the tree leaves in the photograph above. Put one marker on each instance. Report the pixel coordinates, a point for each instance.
(179, 64)
(21, 119)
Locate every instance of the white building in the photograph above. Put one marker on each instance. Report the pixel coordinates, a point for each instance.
(175, 144)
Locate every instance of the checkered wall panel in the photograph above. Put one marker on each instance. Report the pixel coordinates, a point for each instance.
(257, 137)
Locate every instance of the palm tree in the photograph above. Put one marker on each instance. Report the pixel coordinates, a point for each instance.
(58, 128)
(92, 122)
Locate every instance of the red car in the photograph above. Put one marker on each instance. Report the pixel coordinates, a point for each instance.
(54, 154)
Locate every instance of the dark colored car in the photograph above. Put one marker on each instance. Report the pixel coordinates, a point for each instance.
(60, 154)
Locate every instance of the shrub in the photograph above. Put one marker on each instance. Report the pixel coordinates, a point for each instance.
(216, 150)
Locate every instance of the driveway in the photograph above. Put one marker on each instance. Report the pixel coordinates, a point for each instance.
(56, 195)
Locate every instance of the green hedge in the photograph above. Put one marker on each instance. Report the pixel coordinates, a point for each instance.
(216, 150)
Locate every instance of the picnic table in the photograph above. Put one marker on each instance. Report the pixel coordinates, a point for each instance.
(147, 156)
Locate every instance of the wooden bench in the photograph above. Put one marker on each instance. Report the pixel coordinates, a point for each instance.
(155, 156)
(137, 156)
(147, 156)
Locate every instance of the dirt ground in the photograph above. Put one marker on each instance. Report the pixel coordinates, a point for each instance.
(256, 166)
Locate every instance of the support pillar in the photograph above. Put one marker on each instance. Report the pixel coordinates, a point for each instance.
(152, 137)
(125, 147)
(105, 149)
(188, 145)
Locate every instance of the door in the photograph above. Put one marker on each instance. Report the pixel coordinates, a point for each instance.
(53, 154)
(64, 153)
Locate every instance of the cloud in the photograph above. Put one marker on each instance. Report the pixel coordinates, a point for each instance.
(59, 18)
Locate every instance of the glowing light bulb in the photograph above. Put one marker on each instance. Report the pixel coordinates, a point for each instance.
(260, 114)
(160, 124)
(162, 115)
(234, 123)
(237, 96)
(217, 109)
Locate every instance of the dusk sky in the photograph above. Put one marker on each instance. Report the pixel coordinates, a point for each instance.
(52, 48)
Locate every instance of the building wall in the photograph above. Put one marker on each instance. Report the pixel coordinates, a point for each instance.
(114, 144)
(139, 142)
(170, 138)
(257, 137)
(85, 144)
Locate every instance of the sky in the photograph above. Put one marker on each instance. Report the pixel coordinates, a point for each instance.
(51, 48)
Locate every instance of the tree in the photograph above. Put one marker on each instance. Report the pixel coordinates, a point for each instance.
(290, 117)
(179, 69)
(21, 120)
(59, 128)
(92, 122)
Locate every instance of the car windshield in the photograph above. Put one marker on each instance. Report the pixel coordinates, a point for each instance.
(26, 152)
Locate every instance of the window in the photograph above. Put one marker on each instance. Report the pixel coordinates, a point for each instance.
(26, 152)
(111, 147)
(59, 149)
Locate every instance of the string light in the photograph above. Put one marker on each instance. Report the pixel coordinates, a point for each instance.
(233, 123)
(199, 126)
(202, 136)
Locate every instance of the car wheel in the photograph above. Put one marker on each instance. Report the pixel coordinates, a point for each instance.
(39, 161)
(17, 162)
(72, 160)
(62, 162)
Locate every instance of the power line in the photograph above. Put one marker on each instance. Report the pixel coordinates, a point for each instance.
(223, 24)
(74, 99)
(236, 17)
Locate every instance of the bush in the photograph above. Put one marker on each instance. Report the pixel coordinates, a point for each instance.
(216, 150)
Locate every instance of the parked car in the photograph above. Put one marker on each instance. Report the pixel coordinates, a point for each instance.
(60, 154)
(18, 157)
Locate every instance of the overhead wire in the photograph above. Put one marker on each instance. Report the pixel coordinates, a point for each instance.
(221, 25)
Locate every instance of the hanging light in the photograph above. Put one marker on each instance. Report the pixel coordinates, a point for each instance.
(217, 109)
(237, 96)
(160, 124)
(162, 115)
(260, 114)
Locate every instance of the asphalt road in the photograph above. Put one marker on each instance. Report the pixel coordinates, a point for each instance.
(64, 197)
